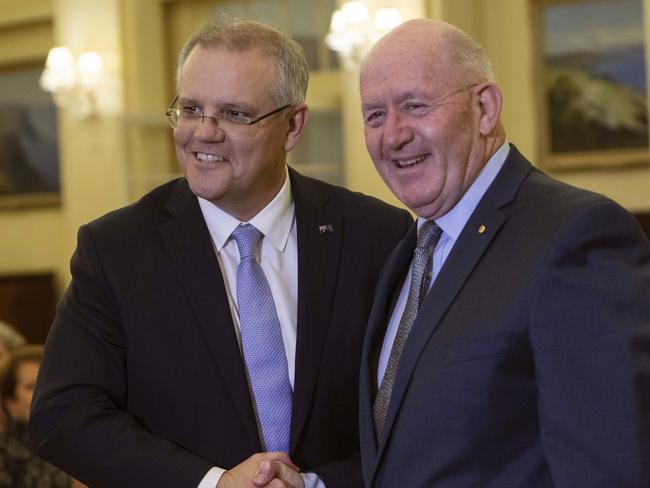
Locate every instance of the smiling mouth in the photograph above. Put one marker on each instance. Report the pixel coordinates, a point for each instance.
(408, 163)
(201, 156)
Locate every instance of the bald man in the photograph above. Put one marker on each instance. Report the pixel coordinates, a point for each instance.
(497, 350)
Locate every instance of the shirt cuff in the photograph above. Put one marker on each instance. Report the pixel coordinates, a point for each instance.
(311, 480)
(213, 476)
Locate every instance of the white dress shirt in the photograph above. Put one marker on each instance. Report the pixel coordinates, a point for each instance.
(278, 257)
(452, 224)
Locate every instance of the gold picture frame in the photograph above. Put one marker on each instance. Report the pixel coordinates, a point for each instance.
(590, 76)
(29, 161)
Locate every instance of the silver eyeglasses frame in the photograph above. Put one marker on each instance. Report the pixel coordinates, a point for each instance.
(175, 114)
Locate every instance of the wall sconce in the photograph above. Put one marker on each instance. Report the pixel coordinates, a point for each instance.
(73, 84)
(353, 30)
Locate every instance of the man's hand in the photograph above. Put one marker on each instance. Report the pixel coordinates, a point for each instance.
(248, 475)
(277, 474)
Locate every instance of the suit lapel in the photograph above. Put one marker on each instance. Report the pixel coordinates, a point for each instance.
(465, 255)
(188, 243)
(320, 236)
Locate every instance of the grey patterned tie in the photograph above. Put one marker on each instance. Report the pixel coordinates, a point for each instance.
(428, 236)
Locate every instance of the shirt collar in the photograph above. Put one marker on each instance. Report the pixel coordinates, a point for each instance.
(453, 222)
(274, 220)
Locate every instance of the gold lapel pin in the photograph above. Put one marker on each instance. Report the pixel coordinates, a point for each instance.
(482, 229)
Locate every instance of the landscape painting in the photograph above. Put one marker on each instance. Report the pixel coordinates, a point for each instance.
(29, 162)
(593, 83)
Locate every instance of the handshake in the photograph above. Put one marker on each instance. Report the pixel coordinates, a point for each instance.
(265, 469)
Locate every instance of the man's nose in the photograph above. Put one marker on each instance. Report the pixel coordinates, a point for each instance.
(209, 129)
(397, 132)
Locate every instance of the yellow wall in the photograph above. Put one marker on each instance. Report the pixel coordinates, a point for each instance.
(99, 161)
(91, 155)
(31, 238)
(91, 149)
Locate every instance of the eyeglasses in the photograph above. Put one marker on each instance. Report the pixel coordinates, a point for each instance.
(230, 121)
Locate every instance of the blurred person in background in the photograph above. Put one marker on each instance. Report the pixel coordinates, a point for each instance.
(19, 466)
(10, 339)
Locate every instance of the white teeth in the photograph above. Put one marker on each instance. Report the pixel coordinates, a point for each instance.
(208, 157)
(409, 162)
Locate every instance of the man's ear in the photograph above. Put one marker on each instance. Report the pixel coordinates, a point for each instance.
(297, 122)
(490, 100)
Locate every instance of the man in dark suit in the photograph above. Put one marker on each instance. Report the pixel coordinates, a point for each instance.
(497, 351)
(154, 372)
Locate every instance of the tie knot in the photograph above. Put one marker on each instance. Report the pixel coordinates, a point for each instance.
(428, 233)
(246, 236)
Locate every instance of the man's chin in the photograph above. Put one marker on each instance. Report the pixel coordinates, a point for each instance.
(205, 191)
(426, 210)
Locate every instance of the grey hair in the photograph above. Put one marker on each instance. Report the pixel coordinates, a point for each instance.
(10, 337)
(292, 71)
(467, 54)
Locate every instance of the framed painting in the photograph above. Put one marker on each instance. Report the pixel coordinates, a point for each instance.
(29, 161)
(591, 83)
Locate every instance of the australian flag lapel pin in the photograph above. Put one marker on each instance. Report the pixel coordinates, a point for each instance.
(324, 229)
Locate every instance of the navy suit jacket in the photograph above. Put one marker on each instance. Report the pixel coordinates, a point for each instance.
(142, 382)
(641, 350)
(517, 371)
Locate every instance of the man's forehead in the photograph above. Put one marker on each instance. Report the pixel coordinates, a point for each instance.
(401, 81)
(220, 73)
(415, 41)
(223, 60)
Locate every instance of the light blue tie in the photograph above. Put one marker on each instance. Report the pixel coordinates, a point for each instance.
(262, 344)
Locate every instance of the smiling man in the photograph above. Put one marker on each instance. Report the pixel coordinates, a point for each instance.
(497, 351)
(212, 331)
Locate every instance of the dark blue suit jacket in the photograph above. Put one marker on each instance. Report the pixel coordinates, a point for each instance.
(517, 372)
(142, 383)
